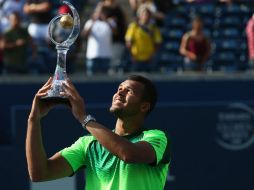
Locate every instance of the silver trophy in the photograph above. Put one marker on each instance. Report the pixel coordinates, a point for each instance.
(63, 30)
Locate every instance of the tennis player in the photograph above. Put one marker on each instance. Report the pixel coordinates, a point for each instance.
(128, 158)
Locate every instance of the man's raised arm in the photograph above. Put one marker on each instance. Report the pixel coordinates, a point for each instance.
(39, 166)
(140, 152)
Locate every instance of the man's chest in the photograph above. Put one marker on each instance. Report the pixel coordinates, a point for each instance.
(101, 162)
(104, 163)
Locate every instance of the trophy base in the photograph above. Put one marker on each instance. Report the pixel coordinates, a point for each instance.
(56, 100)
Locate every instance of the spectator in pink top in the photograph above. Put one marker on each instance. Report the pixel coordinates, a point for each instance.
(250, 39)
(195, 47)
(1, 52)
(199, 1)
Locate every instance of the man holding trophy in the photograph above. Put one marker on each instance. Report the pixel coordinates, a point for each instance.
(129, 157)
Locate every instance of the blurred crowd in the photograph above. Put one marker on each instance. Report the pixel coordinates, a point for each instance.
(112, 40)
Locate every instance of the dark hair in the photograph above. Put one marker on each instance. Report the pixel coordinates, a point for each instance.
(197, 18)
(106, 11)
(149, 93)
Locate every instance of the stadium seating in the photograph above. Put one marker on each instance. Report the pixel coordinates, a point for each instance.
(223, 24)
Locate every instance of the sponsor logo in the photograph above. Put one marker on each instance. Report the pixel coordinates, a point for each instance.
(235, 127)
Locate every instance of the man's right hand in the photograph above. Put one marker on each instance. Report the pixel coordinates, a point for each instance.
(40, 167)
(39, 108)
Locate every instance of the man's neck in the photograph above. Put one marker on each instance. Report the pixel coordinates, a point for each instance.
(128, 126)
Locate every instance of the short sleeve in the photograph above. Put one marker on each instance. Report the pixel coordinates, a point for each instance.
(88, 24)
(160, 142)
(130, 32)
(76, 153)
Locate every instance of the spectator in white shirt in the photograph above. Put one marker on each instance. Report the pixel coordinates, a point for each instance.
(98, 30)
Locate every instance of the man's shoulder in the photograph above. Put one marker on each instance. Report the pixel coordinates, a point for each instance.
(11, 31)
(161, 143)
(8, 32)
(88, 22)
(87, 137)
(156, 134)
(154, 131)
(132, 25)
(99, 25)
(86, 140)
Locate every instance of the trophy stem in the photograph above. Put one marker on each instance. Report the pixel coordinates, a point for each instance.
(54, 94)
(60, 72)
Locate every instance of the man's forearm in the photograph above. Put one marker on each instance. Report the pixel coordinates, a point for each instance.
(121, 147)
(37, 8)
(35, 152)
(112, 142)
(43, 7)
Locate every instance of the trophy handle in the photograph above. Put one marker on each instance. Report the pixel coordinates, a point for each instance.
(75, 28)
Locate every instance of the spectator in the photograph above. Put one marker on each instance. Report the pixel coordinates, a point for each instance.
(143, 39)
(1, 52)
(39, 12)
(226, 1)
(135, 4)
(98, 30)
(118, 47)
(8, 7)
(195, 47)
(15, 42)
(199, 1)
(250, 40)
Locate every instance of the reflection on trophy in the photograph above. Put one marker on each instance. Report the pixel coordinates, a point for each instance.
(63, 31)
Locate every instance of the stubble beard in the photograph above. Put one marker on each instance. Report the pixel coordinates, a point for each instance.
(121, 113)
(117, 112)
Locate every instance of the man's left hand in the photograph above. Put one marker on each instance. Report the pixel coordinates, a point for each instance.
(76, 101)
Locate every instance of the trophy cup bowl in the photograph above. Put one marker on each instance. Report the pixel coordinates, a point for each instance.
(69, 25)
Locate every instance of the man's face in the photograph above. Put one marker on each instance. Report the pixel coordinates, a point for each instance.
(14, 20)
(145, 16)
(197, 26)
(127, 100)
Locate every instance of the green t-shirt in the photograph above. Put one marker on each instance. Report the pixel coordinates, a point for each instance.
(104, 171)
